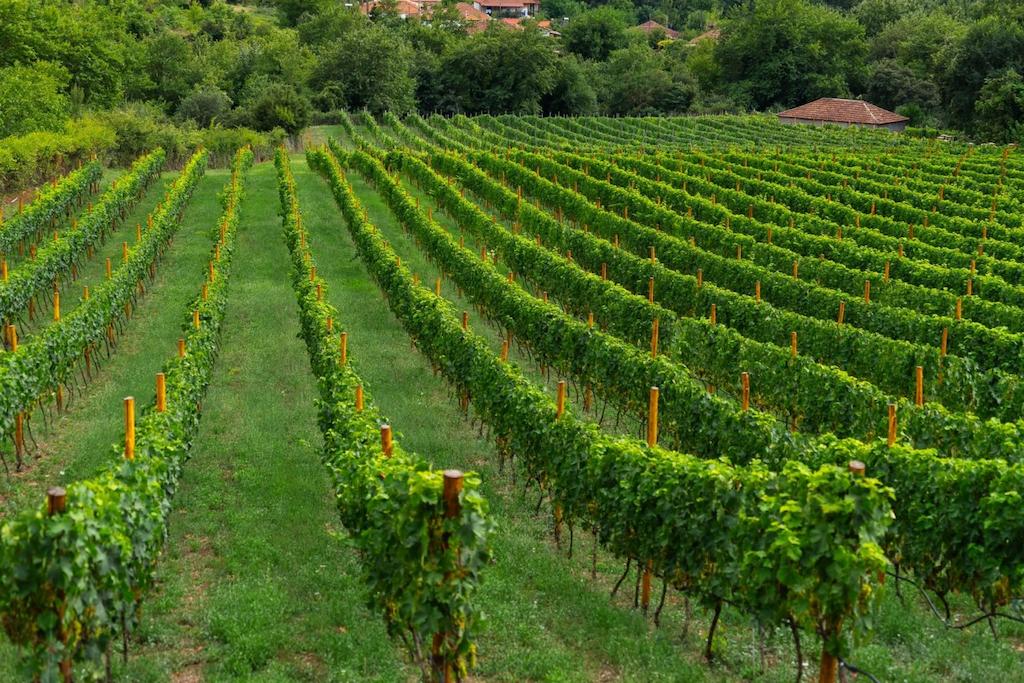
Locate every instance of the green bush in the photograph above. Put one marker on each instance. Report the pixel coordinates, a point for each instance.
(31, 159)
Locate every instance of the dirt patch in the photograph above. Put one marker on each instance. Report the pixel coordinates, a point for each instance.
(193, 673)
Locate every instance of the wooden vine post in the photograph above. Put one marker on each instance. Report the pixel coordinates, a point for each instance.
(828, 670)
(650, 289)
(19, 419)
(654, 338)
(792, 344)
(359, 398)
(343, 359)
(161, 392)
(129, 428)
(891, 440)
(56, 503)
(181, 348)
(745, 382)
(652, 441)
(919, 386)
(452, 489)
(714, 314)
(387, 445)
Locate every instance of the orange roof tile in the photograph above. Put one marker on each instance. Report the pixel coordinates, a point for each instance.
(843, 111)
(650, 26)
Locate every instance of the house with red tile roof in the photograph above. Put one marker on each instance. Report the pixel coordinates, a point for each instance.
(844, 113)
(713, 34)
(650, 26)
(522, 8)
(404, 8)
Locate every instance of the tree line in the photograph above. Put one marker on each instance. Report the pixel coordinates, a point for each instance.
(159, 67)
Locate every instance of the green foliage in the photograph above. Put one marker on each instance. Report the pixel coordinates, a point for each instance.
(595, 34)
(423, 565)
(292, 11)
(78, 577)
(497, 71)
(31, 98)
(989, 48)
(791, 51)
(204, 105)
(33, 158)
(638, 81)
(573, 93)
(999, 111)
(370, 69)
(280, 106)
(53, 204)
(55, 260)
(86, 39)
(622, 488)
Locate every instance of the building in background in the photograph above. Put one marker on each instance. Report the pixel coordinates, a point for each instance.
(844, 113)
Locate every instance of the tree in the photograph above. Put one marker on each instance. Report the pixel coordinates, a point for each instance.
(372, 67)
(204, 105)
(919, 41)
(875, 15)
(497, 71)
(168, 69)
(573, 93)
(328, 25)
(595, 34)
(88, 40)
(292, 11)
(999, 111)
(638, 80)
(785, 52)
(31, 98)
(280, 106)
(894, 84)
(988, 48)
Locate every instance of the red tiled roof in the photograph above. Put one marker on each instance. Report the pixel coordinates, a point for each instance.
(469, 13)
(503, 4)
(711, 34)
(403, 7)
(511, 23)
(651, 26)
(843, 111)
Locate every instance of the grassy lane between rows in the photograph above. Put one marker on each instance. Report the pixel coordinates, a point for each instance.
(106, 178)
(546, 620)
(259, 582)
(92, 271)
(75, 445)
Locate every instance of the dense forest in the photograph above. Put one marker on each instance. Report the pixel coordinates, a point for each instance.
(121, 75)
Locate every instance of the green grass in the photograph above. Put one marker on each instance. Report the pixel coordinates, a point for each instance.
(92, 271)
(78, 442)
(909, 644)
(546, 620)
(259, 581)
